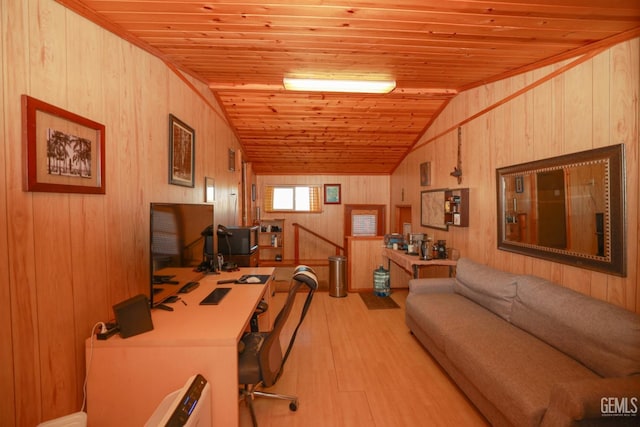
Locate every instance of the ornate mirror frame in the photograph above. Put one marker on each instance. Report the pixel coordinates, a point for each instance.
(589, 190)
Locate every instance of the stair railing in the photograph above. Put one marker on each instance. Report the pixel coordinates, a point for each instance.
(296, 246)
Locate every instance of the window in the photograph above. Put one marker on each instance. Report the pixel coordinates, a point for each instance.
(292, 198)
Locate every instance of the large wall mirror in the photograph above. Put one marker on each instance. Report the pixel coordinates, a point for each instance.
(570, 209)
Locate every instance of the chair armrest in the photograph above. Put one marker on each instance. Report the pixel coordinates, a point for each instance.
(436, 285)
(586, 401)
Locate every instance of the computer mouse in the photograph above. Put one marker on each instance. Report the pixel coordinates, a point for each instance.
(253, 279)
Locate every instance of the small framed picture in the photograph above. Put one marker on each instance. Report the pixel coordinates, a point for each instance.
(182, 140)
(232, 160)
(63, 152)
(425, 173)
(519, 184)
(332, 194)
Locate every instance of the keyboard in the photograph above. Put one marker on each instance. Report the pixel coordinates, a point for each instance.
(164, 279)
(215, 296)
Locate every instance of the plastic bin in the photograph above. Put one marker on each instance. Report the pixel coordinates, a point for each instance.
(338, 276)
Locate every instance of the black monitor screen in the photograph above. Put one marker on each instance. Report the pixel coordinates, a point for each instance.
(181, 237)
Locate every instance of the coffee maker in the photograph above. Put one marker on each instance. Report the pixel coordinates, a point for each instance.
(415, 241)
(425, 248)
(441, 249)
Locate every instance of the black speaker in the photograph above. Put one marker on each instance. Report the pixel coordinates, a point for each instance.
(133, 316)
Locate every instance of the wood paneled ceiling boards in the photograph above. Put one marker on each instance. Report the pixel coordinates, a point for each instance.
(433, 49)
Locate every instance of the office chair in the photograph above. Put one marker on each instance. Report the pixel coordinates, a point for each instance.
(261, 361)
(255, 318)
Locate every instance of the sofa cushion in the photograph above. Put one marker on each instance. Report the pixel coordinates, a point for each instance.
(441, 315)
(602, 336)
(440, 285)
(491, 288)
(513, 369)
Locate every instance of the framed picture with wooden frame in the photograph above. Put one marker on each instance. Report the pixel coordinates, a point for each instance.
(232, 160)
(182, 145)
(520, 184)
(63, 152)
(425, 174)
(332, 194)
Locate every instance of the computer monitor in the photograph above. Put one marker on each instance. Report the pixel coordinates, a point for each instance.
(237, 240)
(181, 235)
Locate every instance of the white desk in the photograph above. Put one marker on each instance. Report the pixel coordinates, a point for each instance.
(412, 263)
(129, 377)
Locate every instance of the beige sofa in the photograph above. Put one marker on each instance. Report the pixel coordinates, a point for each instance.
(528, 352)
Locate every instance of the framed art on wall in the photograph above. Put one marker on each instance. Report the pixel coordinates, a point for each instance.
(232, 160)
(63, 152)
(519, 184)
(332, 194)
(425, 173)
(182, 140)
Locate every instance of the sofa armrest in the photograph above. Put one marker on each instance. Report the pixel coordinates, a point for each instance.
(436, 285)
(598, 399)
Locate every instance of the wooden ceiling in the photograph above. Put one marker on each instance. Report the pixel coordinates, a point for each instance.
(432, 48)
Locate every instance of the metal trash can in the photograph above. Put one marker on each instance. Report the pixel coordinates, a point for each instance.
(338, 276)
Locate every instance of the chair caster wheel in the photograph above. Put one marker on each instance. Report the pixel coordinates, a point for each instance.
(293, 406)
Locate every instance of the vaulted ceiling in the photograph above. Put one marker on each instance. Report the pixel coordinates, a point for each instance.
(432, 48)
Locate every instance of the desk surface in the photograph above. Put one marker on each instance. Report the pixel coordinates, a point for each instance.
(127, 378)
(195, 324)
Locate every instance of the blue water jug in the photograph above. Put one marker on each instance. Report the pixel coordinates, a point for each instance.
(381, 285)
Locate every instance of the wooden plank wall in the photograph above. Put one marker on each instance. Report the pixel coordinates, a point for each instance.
(66, 259)
(592, 105)
(365, 256)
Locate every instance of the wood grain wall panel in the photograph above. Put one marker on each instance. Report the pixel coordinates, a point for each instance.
(6, 341)
(52, 229)
(594, 104)
(601, 82)
(625, 127)
(578, 98)
(478, 148)
(18, 225)
(35, 349)
(69, 258)
(633, 185)
(122, 163)
(54, 298)
(365, 255)
(88, 259)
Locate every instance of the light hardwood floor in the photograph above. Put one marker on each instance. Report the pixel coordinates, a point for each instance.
(351, 367)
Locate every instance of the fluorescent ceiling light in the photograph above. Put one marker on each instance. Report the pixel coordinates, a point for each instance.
(328, 85)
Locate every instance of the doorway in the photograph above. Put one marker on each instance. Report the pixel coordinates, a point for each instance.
(402, 217)
(552, 227)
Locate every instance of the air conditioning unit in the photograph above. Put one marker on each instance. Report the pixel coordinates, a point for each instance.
(189, 406)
